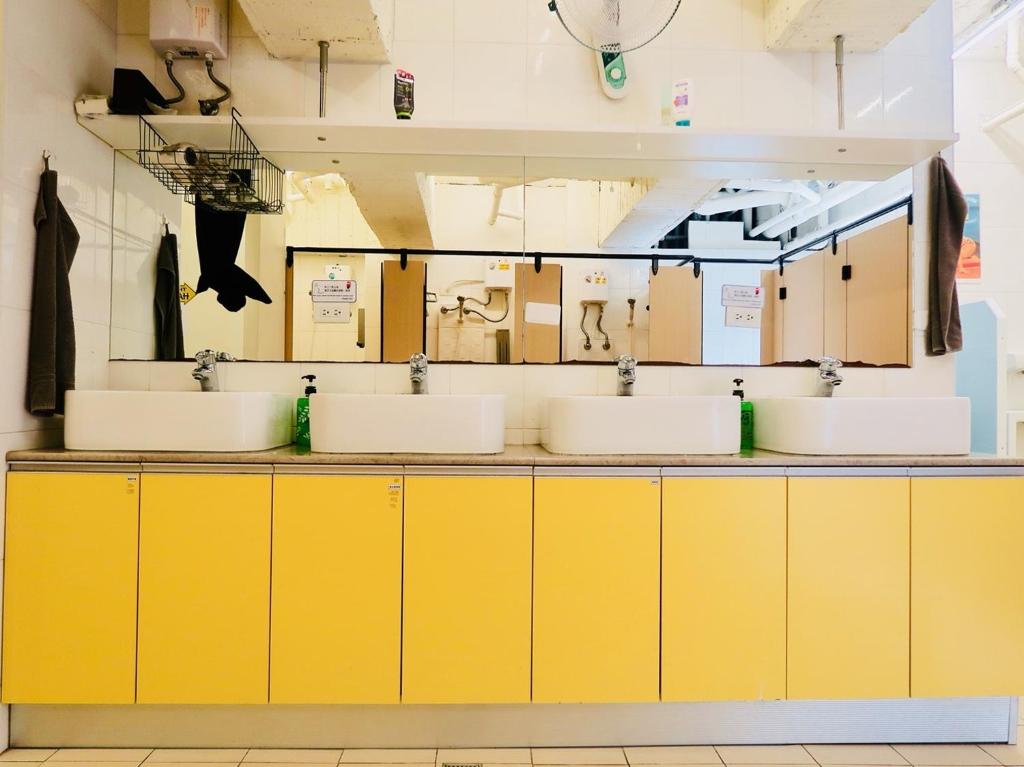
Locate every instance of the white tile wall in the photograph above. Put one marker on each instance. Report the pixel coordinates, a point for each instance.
(511, 61)
(989, 164)
(44, 66)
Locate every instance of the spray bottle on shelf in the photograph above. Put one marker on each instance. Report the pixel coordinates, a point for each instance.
(746, 417)
(302, 433)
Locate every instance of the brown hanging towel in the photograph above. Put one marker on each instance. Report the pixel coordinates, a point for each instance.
(949, 213)
(51, 349)
(170, 344)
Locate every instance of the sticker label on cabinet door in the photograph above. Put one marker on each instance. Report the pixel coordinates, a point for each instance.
(131, 483)
(748, 296)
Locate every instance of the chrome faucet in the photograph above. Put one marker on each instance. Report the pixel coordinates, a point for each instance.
(627, 375)
(828, 372)
(418, 373)
(206, 368)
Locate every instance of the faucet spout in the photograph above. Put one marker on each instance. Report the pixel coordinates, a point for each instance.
(828, 375)
(418, 373)
(206, 368)
(627, 375)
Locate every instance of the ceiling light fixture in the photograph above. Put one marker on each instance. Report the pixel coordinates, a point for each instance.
(981, 30)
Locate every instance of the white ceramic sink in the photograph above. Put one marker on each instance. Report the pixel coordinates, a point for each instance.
(407, 423)
(643, 425)
(180, 421)
(864, 425)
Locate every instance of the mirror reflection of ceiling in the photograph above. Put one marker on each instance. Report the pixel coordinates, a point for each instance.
(409, 208)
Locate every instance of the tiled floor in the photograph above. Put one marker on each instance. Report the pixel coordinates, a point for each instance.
(674, 756)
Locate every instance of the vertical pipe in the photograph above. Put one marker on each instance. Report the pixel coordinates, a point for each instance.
(840, 84)
(324, 48)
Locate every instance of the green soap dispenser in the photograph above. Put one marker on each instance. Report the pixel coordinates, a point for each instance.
(746, 417)
(302, 414)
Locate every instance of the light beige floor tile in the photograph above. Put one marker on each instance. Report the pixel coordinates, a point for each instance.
(954, 755)
(759, 755)
(27, 754)
(197, 755)
(55, 762)
(484, 755)
(578, 756)
(388, 755)
(666, 755)
(855, 755)
(185, 764)
(135, 755)
(1011, 756)
(293, 755)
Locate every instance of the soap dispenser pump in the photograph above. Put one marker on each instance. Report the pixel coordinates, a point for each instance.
(746, 417)
(302, 435)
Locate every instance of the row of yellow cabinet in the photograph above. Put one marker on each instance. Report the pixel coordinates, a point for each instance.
(209, 588)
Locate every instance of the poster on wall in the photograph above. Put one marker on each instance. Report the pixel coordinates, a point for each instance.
(969, 265)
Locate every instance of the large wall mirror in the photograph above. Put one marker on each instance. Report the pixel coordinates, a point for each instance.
(376, 257)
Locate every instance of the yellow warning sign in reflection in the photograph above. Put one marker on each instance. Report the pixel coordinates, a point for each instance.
(186, 293)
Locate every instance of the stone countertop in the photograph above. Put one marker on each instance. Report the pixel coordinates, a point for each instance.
(529, 455)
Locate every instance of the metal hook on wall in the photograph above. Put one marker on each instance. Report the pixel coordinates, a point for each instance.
(46, 159)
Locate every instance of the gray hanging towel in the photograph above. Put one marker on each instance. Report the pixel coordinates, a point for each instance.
(949, 213)
(51, 348)
(170, 344)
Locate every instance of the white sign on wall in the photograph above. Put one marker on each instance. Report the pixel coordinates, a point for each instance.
(334, 291)
(747, 296)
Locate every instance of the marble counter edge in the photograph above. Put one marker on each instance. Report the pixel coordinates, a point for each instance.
(513, 456)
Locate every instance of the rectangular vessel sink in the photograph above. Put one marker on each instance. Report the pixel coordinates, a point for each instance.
(407, 423)
(643, 425)
(864, 425)
(180, 421)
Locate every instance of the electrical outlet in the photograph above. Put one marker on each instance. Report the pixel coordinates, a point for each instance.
(332, 313)
(742, 317)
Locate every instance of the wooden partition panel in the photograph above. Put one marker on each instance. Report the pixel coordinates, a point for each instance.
(403, 310)
(537, 341)
(676, 316)
(878, 295)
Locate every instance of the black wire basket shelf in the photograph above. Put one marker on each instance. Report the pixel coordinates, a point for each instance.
(237, 179)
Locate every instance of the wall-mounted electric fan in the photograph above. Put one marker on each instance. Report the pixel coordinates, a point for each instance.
(613, 28)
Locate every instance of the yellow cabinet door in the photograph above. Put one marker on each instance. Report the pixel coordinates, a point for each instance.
(723, 614)
(204, 588)
(596, 589)
(336, 597)
(71, 572)
(466, 603)
(849, 588)
(967, 577)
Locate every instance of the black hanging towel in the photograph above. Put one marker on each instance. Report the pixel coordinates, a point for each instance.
(218, 236)
(51, 350)
(170, 344)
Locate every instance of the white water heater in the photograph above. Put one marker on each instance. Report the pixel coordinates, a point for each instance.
(189, 29)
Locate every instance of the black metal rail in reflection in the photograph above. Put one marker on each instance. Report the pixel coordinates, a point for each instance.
(654, 258)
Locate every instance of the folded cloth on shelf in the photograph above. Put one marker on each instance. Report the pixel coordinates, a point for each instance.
(219, 235)
(51, 348)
